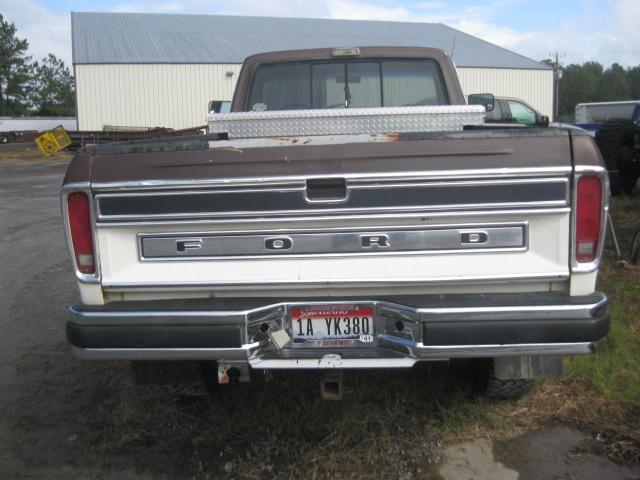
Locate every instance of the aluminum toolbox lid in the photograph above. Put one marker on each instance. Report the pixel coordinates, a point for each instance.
(441, 118)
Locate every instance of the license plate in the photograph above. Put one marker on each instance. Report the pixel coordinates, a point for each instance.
(332, 325)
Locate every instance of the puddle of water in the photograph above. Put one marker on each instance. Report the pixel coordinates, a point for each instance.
(559, 452)
(553, 453)
(474, 460)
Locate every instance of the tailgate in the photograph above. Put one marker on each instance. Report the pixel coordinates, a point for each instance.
(416, 211)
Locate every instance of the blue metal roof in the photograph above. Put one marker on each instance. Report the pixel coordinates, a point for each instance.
(178, 38)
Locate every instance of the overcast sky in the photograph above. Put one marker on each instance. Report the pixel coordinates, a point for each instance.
(579, 30)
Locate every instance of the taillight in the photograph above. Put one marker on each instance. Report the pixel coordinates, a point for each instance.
(588, 217)
(80, 226)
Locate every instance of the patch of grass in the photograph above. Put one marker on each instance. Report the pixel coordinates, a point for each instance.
(390, 424)
(29, 153)
(615, 371)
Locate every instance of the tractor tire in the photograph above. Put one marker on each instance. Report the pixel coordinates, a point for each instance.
(630, 179)
(615, 141)
(615, 183)
(4, 138)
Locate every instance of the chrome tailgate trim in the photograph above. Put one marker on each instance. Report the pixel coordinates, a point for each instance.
(371, 241)
(360, 197)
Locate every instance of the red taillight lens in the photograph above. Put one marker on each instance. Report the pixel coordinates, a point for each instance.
(81, 236)
(588, 217)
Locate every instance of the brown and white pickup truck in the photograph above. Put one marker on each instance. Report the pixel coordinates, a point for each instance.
(349, 212)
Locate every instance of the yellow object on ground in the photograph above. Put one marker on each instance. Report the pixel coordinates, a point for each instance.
(53, 141)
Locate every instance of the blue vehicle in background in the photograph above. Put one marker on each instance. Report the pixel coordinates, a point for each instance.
(616, 128)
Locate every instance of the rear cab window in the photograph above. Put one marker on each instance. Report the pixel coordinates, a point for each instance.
(346, 84)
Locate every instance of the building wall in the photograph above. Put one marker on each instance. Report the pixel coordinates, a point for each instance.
(177, 95)
(535, 87)
(151, 95)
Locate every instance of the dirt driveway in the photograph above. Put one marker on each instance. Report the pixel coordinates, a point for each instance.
(61, 417)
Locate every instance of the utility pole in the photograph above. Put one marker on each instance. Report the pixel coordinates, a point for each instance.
(557, 75)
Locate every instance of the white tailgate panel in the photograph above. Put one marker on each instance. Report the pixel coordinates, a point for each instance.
(546, 257)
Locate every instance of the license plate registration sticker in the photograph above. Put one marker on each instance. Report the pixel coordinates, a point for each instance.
(332, 325)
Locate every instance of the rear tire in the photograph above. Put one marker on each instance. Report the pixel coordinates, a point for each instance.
(512, 389)
(481, 374)
(209, 376)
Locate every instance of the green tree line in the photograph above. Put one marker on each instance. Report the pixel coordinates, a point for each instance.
(591, 82)
(29, 87)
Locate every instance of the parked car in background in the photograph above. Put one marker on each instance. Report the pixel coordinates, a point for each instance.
(511, 111)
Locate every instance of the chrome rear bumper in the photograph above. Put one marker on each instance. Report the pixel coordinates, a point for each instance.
(432, 327)
(324, 360)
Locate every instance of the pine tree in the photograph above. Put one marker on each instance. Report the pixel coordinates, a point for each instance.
(52, 88)
(14, 71)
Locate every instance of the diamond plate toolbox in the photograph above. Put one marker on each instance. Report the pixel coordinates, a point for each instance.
(444, 118)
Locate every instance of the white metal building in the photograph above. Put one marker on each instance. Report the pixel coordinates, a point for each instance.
(161, 70)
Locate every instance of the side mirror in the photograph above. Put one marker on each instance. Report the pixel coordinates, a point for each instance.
(487, 100)
(219, 106)
(544, 121)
